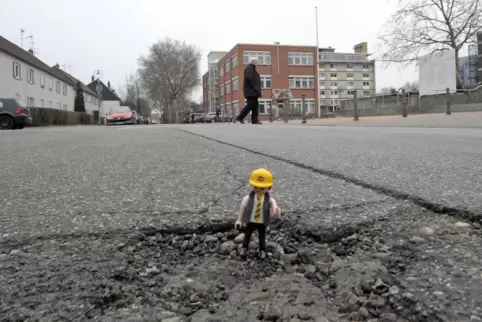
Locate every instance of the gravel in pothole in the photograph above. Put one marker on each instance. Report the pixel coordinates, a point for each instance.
(417, 266)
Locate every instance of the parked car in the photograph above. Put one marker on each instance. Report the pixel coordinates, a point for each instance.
(210, 117)
(225, 118)
(120, 115)
(14, 114)
(200, 118)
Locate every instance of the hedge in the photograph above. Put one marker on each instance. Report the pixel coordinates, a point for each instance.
(50, 116)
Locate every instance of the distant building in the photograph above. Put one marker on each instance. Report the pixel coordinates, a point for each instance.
(30, 80)
(109, 98)
(205, 82)
(341, 74)
(213, 76)
(291, 67)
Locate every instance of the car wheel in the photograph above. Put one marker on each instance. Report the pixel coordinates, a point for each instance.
(6, 122)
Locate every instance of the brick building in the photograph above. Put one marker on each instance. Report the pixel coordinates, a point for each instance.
(290, 67)
(280, 67)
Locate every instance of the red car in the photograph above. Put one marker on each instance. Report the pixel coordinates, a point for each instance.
(120, 115)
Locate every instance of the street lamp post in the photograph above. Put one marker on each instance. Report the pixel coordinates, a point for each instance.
(97, 75)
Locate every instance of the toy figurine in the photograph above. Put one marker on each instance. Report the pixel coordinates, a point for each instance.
(255, 211)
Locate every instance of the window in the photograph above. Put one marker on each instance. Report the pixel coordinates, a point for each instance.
(236, 107)
(333, 75)
(351, 92)
(227, 65)
(322, 83)
(321, 74)
(264, 57)
(349, 66)
(234, 61)
(65, 89)
(366, 83)
(297, 106)
(57, 86)
(235, 84)
(322, 93)
(301, 82)
(322, 66)
(30, 77)
(366, 93)
(365, 66)
(366, 75)
(58, 105)
(266, 82)
(334, 93)
(51, 83)
(42, 103)
(303, 59)
(350, 83)
(264, 106)
(228, 88)
(334, 83)
(221, 70)
(65, 107)
(42, 80)
(221, 90)
(332, 66)
(349, 74)
(30, 101)
(16, 71)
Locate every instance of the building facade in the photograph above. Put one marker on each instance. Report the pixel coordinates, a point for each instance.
(341, 74)
(28, 79)
(213, 77)
(205, 83)
(280, 67)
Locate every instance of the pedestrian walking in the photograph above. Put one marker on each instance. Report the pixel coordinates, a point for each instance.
(251, 91)
(217, 114)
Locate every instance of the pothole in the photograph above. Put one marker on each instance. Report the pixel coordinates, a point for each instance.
(181, 274)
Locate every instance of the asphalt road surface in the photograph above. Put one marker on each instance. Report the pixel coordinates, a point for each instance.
(135, 223)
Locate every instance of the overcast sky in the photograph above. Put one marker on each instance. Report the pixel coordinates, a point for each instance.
(111, 34)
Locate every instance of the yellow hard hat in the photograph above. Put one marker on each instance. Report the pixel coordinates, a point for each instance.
(261, 178)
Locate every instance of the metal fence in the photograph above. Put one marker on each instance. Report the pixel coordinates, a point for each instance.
(392, 104)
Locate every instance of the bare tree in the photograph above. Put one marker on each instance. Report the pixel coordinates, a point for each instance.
(421, 27)
(169, 73)
(411, 86)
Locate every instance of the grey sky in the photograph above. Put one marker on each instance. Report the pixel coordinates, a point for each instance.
(110, 34)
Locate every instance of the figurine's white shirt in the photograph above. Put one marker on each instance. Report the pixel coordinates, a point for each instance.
(244, 204)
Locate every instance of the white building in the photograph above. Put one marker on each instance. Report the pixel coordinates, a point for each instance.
(341, 74)
(25, 77)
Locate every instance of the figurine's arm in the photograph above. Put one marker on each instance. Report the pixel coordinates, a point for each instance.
(276, 209)
(239, 220)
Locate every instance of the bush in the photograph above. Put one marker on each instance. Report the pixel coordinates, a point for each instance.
(51, 116)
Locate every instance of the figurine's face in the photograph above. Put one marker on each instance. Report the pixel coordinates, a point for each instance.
(261, 190)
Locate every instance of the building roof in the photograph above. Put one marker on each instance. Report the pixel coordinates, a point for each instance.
(73, 81)
(23, 55)
(106, 94)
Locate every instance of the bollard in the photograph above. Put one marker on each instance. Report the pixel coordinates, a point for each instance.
(356, 116)
(286, 104)
(449, 112)
(303, 105)
(404, 104)
(271, 112)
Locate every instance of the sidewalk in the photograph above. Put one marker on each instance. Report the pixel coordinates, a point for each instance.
(456, 120)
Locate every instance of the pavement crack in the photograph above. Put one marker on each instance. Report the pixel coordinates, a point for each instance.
(457, 212)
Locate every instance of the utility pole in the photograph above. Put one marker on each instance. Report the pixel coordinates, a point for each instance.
(22, 31)
(138, 98)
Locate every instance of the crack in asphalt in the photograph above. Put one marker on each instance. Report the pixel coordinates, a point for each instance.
(435, 207)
